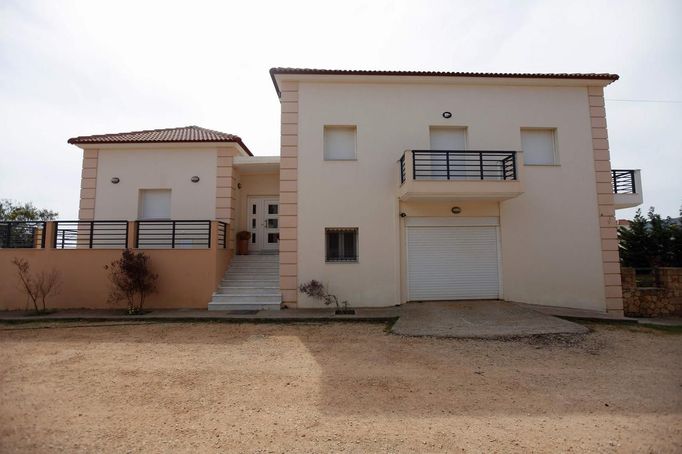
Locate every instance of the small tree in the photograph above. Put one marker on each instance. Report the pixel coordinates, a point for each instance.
(39, 287)
(650, 242)
(132, 280)
(316, 289)
(12, 211)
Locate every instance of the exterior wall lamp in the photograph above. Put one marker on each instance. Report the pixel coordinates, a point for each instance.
(115, 180)
(195, 179)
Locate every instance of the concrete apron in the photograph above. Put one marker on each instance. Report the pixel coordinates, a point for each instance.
(482, 319)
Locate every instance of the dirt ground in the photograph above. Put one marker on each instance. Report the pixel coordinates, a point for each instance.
(334, 387)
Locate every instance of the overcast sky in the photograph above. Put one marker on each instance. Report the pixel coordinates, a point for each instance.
(72, 68)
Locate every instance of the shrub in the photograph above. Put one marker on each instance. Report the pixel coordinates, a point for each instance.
(38, 287)
(132, 280)
(316, 290)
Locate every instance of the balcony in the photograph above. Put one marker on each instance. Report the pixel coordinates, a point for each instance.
(464, 174)
(627, 188)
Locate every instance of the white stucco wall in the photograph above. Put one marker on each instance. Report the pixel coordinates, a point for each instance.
(551, 249)
(156, 168)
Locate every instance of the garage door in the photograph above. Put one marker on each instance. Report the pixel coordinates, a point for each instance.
(446, 263)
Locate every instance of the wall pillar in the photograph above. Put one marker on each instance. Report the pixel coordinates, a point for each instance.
(608, 226)
(288, 197)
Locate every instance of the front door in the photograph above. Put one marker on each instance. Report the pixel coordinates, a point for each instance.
(264, 223)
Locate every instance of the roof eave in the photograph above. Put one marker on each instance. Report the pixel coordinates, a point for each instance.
(298, 73)
(115, 144)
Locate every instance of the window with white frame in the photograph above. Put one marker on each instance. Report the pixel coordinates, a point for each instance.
(539, 146)
(341, 244)
(339, 143)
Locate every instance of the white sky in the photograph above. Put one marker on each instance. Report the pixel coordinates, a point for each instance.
(72, 68)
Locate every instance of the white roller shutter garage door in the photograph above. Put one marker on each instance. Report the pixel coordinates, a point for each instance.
(449, 263)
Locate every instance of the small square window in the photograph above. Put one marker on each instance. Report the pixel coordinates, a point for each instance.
(538, 146)
(339, 143)
(341, 244)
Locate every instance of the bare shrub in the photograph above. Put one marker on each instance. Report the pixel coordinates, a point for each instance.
(132, 280)
(37, 287)
(316, 289)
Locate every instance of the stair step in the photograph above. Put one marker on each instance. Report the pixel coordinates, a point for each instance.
(259, 299)
(263, 291)
(246, 306)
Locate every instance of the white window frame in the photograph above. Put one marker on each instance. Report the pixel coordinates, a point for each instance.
(324, 142)
(554, 145)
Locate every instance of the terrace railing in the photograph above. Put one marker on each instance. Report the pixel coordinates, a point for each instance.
(22, 234)
(461, 165)
(171, 234)
(90, 235)
(623, 181)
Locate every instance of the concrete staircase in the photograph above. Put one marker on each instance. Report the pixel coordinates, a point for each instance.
(251, 283)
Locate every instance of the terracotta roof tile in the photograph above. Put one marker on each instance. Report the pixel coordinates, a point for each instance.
(169, 135)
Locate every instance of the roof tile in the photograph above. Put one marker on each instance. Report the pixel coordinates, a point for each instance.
(169, 135)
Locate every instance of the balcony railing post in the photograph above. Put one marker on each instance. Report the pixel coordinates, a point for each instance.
(632, 181)
(173, 235)
(210, 225)
(480, 163)
(447, 163)
(92, 233)
(414, 168)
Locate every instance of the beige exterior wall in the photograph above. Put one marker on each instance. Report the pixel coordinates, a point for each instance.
(187, 277)
(158, 168)
(551, 244)
(288, 188)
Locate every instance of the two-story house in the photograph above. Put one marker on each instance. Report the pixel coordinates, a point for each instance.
(393, 187)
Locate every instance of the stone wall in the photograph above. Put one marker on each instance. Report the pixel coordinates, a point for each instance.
(664, 300)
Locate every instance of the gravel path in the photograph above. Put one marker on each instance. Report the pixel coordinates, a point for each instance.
(334, 387)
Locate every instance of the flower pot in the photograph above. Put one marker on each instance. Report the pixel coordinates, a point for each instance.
(242, 247)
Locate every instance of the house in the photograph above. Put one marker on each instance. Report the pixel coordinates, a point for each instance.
(390, 186)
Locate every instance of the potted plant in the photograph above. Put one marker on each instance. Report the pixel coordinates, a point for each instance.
(315, 289)
(243, 238)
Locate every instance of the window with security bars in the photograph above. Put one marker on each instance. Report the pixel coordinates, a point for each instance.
(341, 244)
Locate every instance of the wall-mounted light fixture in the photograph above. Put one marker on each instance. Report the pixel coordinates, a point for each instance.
(195, 179)
(447, 114)
(456, 210)
(115, 180)
(239, 185)
(402, 215)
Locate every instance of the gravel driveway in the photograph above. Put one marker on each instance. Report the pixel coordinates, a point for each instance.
(334, 387)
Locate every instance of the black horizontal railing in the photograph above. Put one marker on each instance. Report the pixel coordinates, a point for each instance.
(163, 234)
(222, 235)
(90, 235)
(22, 234)
(463, 165)
(623, 181)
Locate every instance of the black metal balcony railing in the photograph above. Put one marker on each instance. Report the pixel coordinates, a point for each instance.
(162, 234)
(90, 235)
(22, 234)
(461, 165)
(623, 181)
(402, 169)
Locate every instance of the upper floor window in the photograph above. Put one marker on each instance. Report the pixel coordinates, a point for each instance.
(539, 146)
(448, 138)
(339, 143)
(155, 204)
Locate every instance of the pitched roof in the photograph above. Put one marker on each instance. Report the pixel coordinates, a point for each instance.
(168, 135)
(361, 72)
